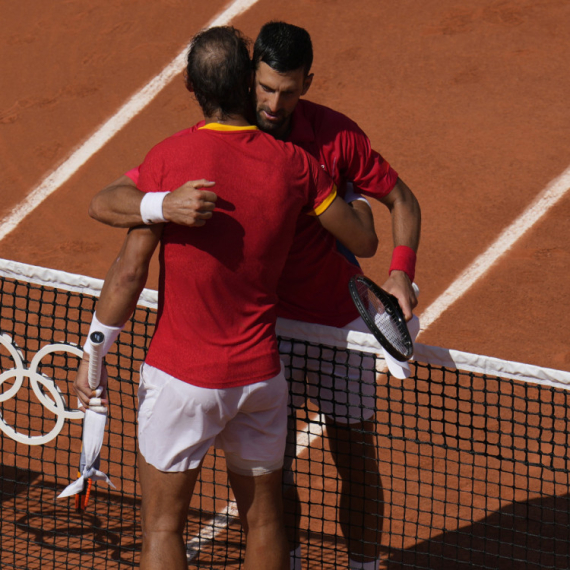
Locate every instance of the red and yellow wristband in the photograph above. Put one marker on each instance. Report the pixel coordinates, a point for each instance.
(404, 259)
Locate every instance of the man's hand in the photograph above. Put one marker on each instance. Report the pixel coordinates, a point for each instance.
(119, 204)
(189, 205)
(81, 385)
(399, 285)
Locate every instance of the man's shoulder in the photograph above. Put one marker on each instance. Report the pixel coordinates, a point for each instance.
(281, 147)
(286, 156)
(185, 133)
(321, 124)
(179, 138)
(288, 153)
(322, 115)
(188, 131)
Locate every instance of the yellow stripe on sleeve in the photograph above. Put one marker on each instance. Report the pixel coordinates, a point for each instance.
(325, 203)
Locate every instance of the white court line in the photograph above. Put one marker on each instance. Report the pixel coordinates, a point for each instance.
(208, 532)
(108, 130)
(548, 198)
(310, 432)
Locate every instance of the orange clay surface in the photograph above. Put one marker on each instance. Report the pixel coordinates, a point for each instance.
(467, 101)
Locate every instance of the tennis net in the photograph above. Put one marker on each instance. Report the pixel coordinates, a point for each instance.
(472, 452)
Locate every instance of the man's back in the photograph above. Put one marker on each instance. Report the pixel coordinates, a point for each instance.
(222, 278)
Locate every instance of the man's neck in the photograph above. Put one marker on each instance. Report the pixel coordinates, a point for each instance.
(236, 120)
(285, 131)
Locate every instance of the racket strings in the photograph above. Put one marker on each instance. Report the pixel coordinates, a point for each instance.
(381, 316)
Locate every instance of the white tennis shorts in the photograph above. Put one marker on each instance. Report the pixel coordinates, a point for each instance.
(179, 422)
(341, 383)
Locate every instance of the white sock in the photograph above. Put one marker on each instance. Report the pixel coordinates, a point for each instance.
(372, 565)
(295, 558)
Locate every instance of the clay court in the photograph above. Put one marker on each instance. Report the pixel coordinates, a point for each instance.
(467, 101)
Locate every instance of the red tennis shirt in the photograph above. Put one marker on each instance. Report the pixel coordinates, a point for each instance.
(314, 284)
(217, 292)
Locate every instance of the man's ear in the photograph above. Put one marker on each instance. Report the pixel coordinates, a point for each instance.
(307, 83)
(187, 82)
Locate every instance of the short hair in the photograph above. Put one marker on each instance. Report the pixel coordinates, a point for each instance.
(283, 47)
(219, 69)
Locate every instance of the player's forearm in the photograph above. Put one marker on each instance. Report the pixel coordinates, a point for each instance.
(406, 216)
(118, 204)
(124, 282)
(127, 276)
(406, 226)
(120, 294)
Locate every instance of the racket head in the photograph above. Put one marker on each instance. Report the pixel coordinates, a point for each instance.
(383, 316)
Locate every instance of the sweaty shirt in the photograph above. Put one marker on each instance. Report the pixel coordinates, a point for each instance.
(218, 283)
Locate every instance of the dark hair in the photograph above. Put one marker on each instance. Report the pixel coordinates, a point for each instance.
(283, 47)
(219, 70)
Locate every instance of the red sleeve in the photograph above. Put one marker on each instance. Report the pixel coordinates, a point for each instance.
(368, 171)
(134, 174)
(322, 188)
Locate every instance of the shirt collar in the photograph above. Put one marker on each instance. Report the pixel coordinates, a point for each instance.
(220, 127)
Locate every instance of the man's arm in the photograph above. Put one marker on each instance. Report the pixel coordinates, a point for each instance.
(373, 177)
(352, 224)
(123, 285)
(119, 204)
(406, 226)
(127, 276)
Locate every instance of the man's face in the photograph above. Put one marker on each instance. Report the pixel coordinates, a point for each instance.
(276, 95)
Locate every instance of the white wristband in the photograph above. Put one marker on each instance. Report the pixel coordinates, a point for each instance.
(351, 196)
(110, 333)
(151, 207)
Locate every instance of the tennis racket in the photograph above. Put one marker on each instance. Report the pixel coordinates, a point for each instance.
(94, 378)
(383, 316)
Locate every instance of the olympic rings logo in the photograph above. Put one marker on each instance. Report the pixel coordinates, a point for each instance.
(41, 386)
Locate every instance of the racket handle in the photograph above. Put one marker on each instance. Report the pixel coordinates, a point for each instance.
(94, 374)
(416, 289)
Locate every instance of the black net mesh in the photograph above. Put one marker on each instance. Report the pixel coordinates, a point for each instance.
(452, 469)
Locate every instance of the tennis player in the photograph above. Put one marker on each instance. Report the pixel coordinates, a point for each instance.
(212, 374)
(283, 57)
